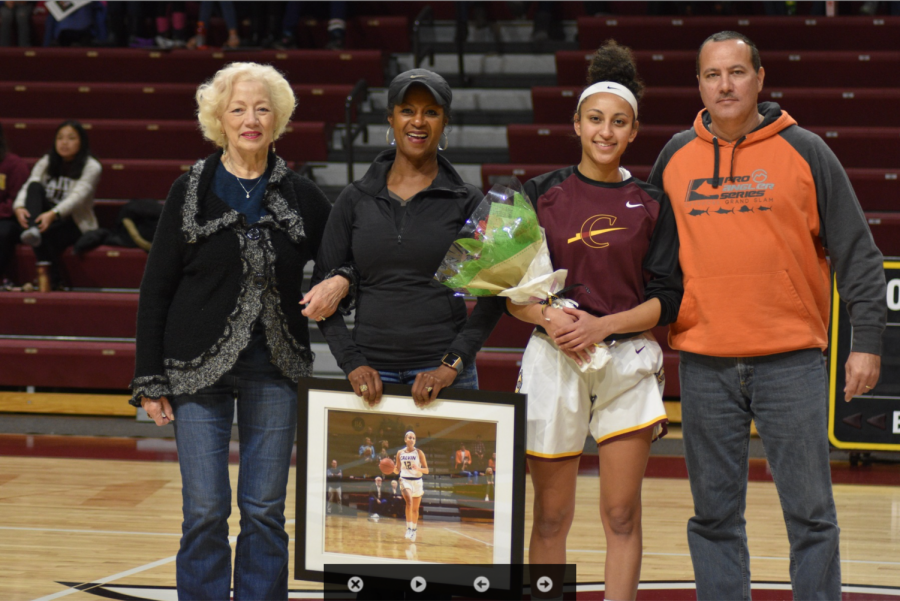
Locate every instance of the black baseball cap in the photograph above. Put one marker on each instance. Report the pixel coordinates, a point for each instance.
(436, 84)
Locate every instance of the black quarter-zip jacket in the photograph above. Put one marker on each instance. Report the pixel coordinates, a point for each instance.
(404, 319)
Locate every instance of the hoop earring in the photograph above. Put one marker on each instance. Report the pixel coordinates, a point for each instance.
(446, 141)
(273, 148)
(391, 141)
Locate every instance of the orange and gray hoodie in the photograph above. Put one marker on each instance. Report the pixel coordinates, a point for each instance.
(756, 218)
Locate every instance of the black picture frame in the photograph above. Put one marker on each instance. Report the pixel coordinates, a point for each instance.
(317, 396)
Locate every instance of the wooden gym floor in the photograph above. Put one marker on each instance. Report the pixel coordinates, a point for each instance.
(99, 513)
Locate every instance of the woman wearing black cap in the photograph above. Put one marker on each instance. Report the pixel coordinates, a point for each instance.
(396, 224)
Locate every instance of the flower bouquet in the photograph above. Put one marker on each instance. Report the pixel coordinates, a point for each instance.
(502, 251)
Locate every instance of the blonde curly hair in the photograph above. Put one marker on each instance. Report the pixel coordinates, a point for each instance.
(213, 96)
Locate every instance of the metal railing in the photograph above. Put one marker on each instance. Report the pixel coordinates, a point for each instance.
(352, 130)
(424, 21)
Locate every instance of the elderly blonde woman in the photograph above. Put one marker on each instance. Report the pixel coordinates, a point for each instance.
(220, 321)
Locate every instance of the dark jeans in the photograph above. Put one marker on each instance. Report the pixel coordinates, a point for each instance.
(787, 397)
(9, 237)
(377, 505)
(61, 234)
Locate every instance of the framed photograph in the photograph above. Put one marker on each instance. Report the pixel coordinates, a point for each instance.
(350, 506)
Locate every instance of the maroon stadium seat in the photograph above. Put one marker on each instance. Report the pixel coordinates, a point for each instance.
(68, 364)
(179, 140)
(122, 65)
(668, 106)
(510, 333)
(768, 33)
(501, 174)
(93, 314)
(498, 371)
(83, 101)
(783, 69)
(886, 231)
(102, 267)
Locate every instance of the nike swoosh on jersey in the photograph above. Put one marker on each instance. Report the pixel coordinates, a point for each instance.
(631, 206)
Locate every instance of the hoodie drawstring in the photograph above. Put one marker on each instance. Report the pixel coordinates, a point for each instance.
(715, 182)
(734, 152)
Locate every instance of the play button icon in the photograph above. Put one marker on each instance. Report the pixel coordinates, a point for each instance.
(418, 584)
(544, 584)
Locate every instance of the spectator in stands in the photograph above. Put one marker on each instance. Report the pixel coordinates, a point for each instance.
(337, 25)
(367, 451)
(751, 332)
(383, 453)
(199, 41)
(171, 25)
(333, 478)
(56, 204)
(219, 320)
(478, 454)
(492, 463)
(13, 174)
(396, 224)
(20, 14)
(632, 273)
(397, 504)
(463, 464)
(378, 499)
(489, 489)
(81, 27)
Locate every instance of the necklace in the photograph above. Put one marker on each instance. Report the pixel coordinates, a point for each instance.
(241, 184)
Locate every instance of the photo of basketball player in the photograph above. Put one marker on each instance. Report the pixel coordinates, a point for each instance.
(437, 516)
(411, 464)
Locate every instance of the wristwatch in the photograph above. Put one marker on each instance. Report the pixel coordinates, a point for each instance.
(453, 360)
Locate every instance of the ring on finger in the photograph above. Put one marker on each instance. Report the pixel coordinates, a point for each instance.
(429, 388)
(163, 415)
(868, 387)
(364, 388)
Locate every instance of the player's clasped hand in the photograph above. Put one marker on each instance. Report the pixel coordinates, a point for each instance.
(429, 383)
(561, 324)
(366, 384)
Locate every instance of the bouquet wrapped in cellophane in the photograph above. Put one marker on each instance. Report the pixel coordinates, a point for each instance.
(502, 251)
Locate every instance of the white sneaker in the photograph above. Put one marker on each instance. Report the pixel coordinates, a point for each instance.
(31, 236)
(408, 532)
(412, 535)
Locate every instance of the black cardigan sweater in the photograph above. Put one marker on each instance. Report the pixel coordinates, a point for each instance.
(210, 275)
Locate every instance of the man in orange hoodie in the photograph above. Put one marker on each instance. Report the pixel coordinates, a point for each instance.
(759, 202)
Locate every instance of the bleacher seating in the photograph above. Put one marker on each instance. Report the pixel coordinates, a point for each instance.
(800, 69)
(85, 314)
(771, 33)
(68, 364)
(142, 101)
(158, 139)
(125, 65)
(102, 267)
(810, 107)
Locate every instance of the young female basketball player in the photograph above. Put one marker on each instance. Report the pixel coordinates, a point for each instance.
(411, 464)
(616, 236)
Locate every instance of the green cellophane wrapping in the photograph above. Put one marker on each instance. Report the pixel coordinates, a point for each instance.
(499, 251)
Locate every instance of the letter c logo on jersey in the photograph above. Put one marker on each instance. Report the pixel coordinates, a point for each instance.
(588, 233)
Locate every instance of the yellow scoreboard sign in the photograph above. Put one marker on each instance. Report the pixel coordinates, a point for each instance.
(870, 422)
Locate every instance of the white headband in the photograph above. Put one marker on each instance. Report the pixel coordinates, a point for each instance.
(610, 87)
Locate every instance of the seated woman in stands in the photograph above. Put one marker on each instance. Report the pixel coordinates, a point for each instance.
(396, 224)
(220, 321)
(56, 204)
(625, 256)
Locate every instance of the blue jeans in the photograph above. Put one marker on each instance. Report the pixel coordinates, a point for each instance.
(267, 423)
(467, 379)
(786, 395)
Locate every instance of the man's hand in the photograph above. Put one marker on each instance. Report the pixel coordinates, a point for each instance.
(862, 371)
